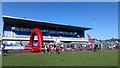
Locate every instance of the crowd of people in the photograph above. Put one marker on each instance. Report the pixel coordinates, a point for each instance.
(76, 46)
(51, 47)
(59, 47)
(113, 46)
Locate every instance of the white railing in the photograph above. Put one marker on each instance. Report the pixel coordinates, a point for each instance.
(47, 39)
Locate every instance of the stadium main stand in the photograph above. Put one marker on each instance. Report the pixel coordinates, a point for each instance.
(19, 29)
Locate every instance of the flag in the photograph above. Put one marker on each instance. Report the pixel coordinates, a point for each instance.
(89, 38)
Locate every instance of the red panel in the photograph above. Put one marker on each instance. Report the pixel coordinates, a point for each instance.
(40, 40)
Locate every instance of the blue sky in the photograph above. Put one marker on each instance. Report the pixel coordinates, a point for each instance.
(101, 16)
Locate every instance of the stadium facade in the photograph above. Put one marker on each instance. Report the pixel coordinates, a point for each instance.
(19, 29)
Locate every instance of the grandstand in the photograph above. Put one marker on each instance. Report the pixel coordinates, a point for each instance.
(19, 29)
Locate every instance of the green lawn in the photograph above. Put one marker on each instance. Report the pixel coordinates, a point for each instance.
(76, 58)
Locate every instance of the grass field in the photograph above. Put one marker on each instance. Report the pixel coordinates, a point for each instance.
(75, 58)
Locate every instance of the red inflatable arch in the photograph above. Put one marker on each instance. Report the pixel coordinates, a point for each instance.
(37, 32)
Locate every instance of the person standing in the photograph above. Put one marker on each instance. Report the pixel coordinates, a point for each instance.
(57, 48)
(50, 48)
(62, 47)
(4, 50)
